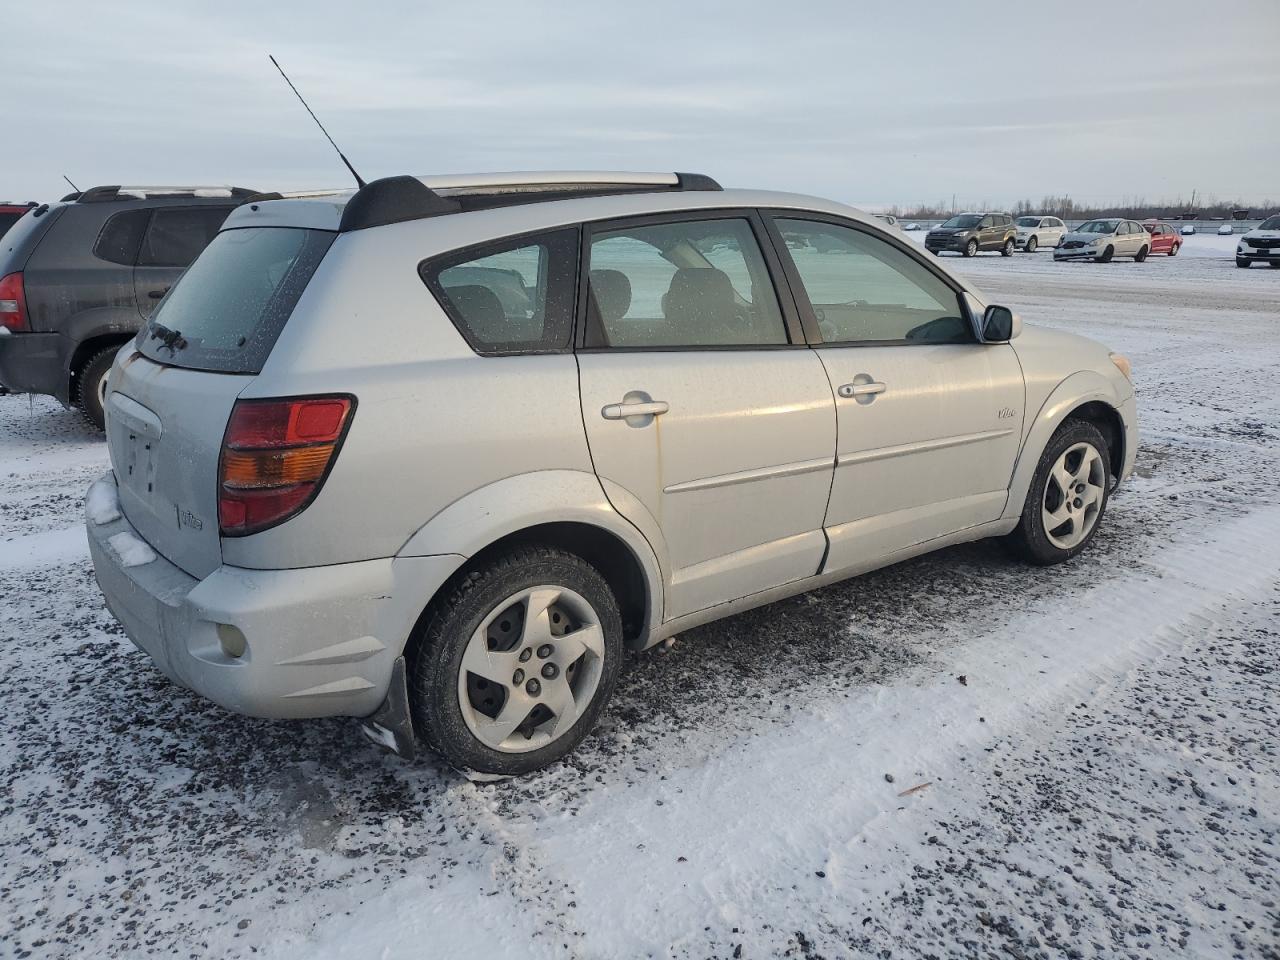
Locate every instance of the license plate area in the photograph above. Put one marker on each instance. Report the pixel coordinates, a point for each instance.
(139, 463)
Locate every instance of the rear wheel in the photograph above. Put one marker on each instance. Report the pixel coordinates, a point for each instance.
(516, 661)
(1173, 250)
(1032, 243)
(1007, 249)
(1068, 496)
(1141, 254)
(971, 248)
(91, 386)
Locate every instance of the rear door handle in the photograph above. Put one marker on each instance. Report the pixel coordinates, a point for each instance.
(646, 408)
(869, 389)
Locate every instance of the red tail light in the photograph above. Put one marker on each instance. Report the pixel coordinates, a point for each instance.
(13, 303)
(275, 456)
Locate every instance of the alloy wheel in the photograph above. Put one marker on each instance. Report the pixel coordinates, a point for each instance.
(531, 669)
(1073, 496)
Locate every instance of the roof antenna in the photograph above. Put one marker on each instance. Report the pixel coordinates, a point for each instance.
(68, 179)
(317, 120)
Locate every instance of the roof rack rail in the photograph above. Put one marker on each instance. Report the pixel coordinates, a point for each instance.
(396, 199)
(117, 192)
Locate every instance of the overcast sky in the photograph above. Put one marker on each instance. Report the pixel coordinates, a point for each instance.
(867, 103)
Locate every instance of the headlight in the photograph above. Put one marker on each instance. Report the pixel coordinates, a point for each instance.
(1123, 365)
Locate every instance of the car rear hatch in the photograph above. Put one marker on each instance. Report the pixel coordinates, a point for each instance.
(171, 395)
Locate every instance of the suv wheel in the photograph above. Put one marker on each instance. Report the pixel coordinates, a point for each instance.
(1141, 255)
(1242, 263)
(971, 248)
(1032, 243)
(91, 388)
(516, 661)
(1007, 249)
(1068, 496)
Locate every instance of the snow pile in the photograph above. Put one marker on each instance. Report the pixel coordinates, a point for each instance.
(131, 551)
(102, 503)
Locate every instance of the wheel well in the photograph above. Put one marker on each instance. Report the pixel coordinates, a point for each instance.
(607, 553)
(86, 350)
(1107, 419)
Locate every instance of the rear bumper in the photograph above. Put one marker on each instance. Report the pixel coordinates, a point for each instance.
(320, 641)
(32, 363)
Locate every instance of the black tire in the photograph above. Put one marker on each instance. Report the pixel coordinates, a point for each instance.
(1141, 254)
(435, 655)
(1106, 255)
(936, 253)
(971, 248)
(1029, 539)
(1032, 243)
(1173, 250)
(1274, 264)
(1242, 264)
(1008, 248)
(91, 384)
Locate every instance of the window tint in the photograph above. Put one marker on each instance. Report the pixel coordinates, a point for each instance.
(511, 297)
(688, 284)
(178, 234)
(120, 236)
(865, 290)
(230, 307)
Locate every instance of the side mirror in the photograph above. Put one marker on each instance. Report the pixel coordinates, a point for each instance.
(1000, 324)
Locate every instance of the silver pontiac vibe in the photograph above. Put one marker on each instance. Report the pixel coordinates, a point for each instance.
(437, 452)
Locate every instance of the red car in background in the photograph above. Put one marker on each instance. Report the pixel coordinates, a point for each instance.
(1164, 238)
(11, 213)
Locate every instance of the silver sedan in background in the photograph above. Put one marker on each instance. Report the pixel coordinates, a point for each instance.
(1103, 240)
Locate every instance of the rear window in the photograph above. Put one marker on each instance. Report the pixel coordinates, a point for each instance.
(225, 313)
(7, 220)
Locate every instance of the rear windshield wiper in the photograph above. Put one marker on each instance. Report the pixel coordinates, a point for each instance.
(172, 339)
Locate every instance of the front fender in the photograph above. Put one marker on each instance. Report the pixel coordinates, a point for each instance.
(1078, 389)
(507, 506)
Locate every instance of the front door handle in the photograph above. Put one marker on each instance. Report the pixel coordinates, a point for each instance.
(157, 294)
(867, 389)
(640, 408)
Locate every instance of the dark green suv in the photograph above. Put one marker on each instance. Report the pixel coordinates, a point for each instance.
(80, 276)
(967, 233)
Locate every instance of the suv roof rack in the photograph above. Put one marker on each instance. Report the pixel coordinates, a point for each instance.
(117, 192)
(396, 199)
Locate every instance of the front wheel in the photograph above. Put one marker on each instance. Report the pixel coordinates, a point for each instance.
(1243, 264)
(1106, 255)
(971, 248)
(1007, 249)
(516, 661)
(1068, 496)
(1032, 243)
(1141, 255)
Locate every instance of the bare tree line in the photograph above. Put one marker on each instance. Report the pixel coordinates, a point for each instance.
(1067, 208)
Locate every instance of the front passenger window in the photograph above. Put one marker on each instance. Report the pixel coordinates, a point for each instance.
(863, 289)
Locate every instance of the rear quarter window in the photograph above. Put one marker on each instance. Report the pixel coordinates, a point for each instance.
(120, 237)
(226, 311)
(176, 235)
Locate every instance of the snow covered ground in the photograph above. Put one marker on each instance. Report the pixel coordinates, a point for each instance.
(956, 757)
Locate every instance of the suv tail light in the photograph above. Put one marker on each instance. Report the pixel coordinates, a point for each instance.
(13, 303)
(275, 457)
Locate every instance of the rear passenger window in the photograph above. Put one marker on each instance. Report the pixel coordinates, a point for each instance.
(120, 237)
(177, 235)
(511, 297)
(693, 283)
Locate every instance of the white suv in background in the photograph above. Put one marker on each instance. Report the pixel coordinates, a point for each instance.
(435, 453)
(1261, 244)
(1034, 232)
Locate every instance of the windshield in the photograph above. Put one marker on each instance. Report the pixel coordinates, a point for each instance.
(964, 220)
(1098, 226)
(1271, 223)
(1028, 221)
(225, 313)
